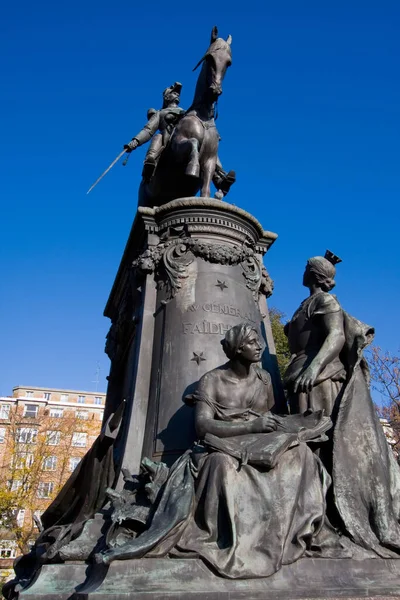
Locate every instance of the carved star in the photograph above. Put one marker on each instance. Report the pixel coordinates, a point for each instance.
(198, 357)
(221, 284)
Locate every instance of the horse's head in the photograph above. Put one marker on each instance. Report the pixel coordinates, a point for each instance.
(215, 62)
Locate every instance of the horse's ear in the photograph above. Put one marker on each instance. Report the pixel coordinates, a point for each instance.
(214, 34)
(229, 40)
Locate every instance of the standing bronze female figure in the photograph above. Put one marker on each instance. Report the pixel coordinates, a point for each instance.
(316, 337)
(328, 371)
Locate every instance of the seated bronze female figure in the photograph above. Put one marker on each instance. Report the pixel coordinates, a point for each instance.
(250, 495)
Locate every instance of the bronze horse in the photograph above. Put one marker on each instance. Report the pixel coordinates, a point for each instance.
(190, 160)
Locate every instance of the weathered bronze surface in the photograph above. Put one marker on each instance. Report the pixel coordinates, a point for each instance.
(189, 160)
(328, 371)
(197, 457)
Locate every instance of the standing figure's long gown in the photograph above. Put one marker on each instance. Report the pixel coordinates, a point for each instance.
(366, 478)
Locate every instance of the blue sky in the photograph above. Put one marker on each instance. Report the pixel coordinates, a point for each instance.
(309, 119)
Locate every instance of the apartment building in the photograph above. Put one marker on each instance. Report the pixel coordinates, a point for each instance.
(44, 433)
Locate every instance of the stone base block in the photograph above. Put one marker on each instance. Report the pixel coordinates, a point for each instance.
(190, 579)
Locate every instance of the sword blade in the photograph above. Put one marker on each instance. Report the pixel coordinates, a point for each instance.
(106, 171)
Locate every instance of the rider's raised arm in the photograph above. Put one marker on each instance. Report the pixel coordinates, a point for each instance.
(149, 129)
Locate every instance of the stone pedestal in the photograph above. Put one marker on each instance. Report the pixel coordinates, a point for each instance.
(159, 579)
(191, 270)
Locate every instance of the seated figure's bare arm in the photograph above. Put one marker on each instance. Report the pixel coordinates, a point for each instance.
(269, 394)
(206, 422)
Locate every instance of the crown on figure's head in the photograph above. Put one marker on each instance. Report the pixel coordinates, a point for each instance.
(332, 257)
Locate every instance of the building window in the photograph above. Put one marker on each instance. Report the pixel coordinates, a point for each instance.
(15, 485)
(23, 460)
(82, 414)
(56, 412)
(4, 411)
(53, 438)
(79, 440)
(47, 395)
(2, 434)
(81, 399)
(49, 463)
(29, 395)
(98, 400)
(26, 435)
(64, 397)
(20, 517)
(8, 548)
(31, 410)
(73, 463)
(45, 489)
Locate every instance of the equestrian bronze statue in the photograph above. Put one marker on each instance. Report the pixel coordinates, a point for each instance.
(183, 155)
(189, 162)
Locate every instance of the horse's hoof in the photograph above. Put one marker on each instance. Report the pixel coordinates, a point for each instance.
(193, 170)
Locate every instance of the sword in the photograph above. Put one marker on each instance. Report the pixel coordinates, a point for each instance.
(106, 171)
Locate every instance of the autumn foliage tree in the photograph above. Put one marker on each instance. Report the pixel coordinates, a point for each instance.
(281, 343)
(385, 378)
(39, 454)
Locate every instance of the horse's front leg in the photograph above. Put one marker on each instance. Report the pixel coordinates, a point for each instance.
(187, 151)
(208, 174)
(193, 166)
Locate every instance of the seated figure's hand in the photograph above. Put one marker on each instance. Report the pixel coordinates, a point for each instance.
(264, 424)
(306, 380)
(133, 144)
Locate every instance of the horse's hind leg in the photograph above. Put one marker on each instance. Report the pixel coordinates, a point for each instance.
(193, 166)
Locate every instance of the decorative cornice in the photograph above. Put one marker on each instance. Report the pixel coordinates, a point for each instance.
(228, 229)
(153, 217)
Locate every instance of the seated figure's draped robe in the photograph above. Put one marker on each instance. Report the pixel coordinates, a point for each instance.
(247, 521)
(244, 520)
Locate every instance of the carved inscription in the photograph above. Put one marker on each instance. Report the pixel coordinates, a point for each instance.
(215, 327)
(221, 309)
(206, 327)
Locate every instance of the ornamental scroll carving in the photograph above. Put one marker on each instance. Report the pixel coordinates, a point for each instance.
(171, 258)
(176, 259)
